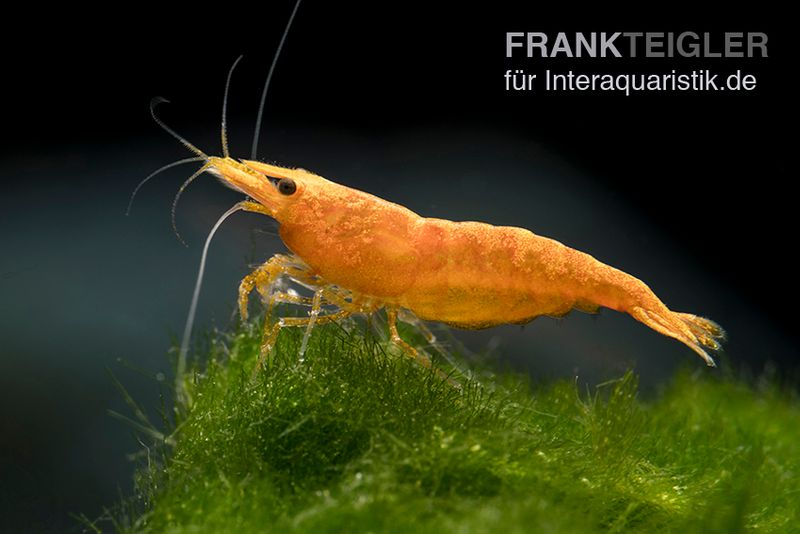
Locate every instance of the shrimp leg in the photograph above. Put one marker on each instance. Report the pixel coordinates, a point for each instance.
(316, 307)
(411, 352)
(391, 314)
(263, 278)
(271, 333)
(409, 318)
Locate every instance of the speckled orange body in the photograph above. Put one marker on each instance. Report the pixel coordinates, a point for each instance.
(466, 274)
(475, 275)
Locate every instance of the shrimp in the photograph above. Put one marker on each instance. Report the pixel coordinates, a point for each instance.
(361, 254)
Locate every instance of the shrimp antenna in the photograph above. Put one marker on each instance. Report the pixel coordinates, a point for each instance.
(224, 129)
(185, 184)
(180, 386)
(152, 174)
(254, 151)
(158, 100)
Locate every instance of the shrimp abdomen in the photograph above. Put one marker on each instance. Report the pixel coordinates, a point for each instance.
(606, 286)
(475, 275)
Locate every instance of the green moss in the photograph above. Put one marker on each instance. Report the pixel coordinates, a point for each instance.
(358, 438)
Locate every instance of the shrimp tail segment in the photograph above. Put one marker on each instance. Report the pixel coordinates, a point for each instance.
(698, 333)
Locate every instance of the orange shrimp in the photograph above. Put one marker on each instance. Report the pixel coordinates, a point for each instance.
(361, 254)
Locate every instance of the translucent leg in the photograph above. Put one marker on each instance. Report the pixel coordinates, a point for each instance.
(423, 359)
(263, 278)
(410, 351)
(272, 330)
(316, 306)
(409, 318)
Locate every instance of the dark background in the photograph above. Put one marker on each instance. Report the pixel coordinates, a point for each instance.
(688, 191)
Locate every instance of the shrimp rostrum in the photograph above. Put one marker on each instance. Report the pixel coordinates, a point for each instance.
(362, 254)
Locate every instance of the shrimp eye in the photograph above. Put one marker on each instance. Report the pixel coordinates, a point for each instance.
(287, 186)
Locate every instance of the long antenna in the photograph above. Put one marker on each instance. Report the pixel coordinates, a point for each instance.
(180, 386)
(254, 151)
(225, 109)
(159, 171)
(158, 100)
(183, 187)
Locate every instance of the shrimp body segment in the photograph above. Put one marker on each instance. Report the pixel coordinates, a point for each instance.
(361, 253)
